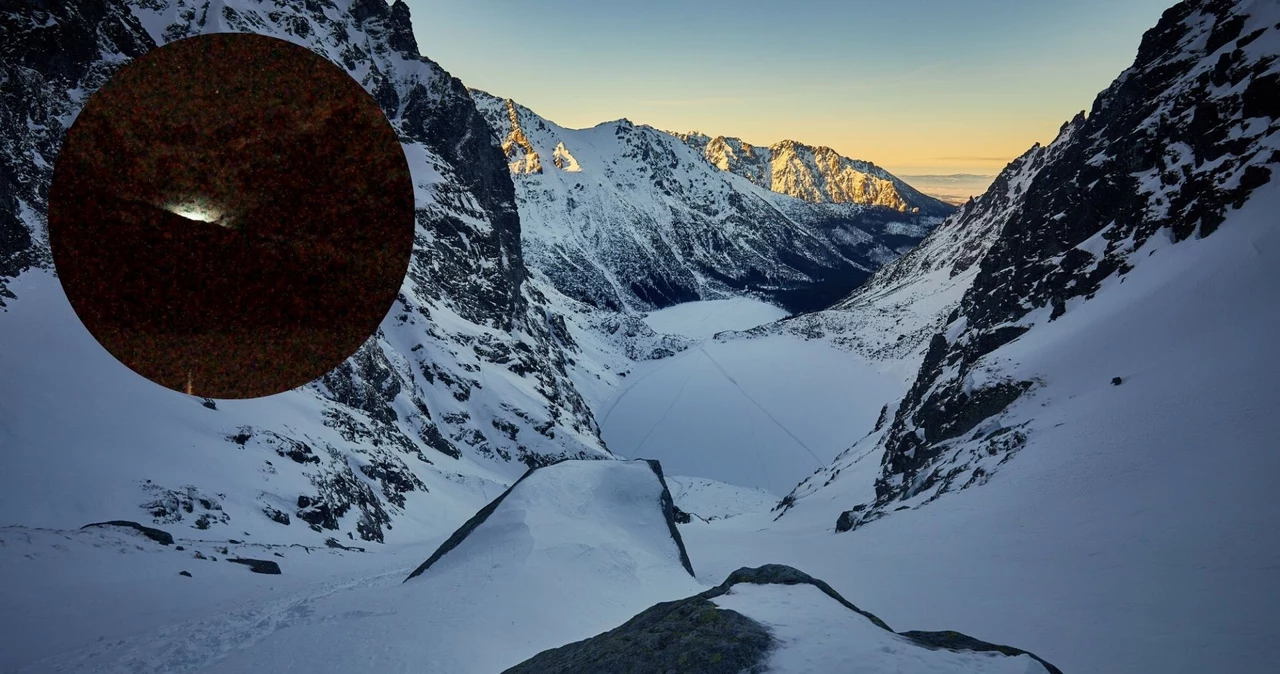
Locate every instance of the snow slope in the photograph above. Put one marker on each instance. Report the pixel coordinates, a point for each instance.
(111, 598)
(573, 549)
(1077, 228)
(1133, 532)
(1087, 431)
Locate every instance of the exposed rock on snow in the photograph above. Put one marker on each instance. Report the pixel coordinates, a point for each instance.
(688, 635)
(257, 565)
(748, 624)
(158, 535)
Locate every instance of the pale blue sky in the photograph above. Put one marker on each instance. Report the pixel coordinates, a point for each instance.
(934, 86)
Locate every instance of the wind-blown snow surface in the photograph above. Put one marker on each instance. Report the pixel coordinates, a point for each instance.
(574, 549)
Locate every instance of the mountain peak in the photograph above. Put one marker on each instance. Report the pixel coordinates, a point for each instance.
(817, 174)
(625, 216)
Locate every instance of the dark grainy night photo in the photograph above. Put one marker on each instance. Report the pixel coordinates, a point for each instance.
(569, 337)
(231, 215)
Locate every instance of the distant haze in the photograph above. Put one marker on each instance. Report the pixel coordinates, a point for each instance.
(955, 188)
(916, 86)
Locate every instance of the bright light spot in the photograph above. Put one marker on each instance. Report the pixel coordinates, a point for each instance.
(199, 210)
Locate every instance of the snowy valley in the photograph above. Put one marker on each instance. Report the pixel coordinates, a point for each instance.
(670, 402)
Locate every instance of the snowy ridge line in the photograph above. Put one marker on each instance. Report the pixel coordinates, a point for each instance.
(707, 633)
(461, 534)
(813, 174)
(639, 220)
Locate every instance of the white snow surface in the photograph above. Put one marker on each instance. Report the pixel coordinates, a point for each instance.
(712, 500)
(709, 317)
(762, 413)
(818, 635)
(575, 549)
(114, 433)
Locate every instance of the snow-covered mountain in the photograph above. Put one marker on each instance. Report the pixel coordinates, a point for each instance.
(1063, 396)
(1087, 426)
(626, 217)
(466, 383)
(818, 175)
(1171, 152)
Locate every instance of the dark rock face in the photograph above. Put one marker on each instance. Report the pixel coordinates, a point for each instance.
(1169, 149)
(695, 635)
(44, 61)
(257, 565)
(669, 513)
(689, 635)
(158, 535)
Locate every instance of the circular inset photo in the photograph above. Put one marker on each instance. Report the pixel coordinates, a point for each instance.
(231, 215)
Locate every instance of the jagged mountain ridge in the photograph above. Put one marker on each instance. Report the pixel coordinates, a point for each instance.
(815, 174)
(627, 217)
(467, 381)
(893, 314)
(1173, 148)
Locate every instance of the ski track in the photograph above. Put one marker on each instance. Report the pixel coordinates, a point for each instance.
(198, 644)
(671, 405)
(670, 360)
(760, 407)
